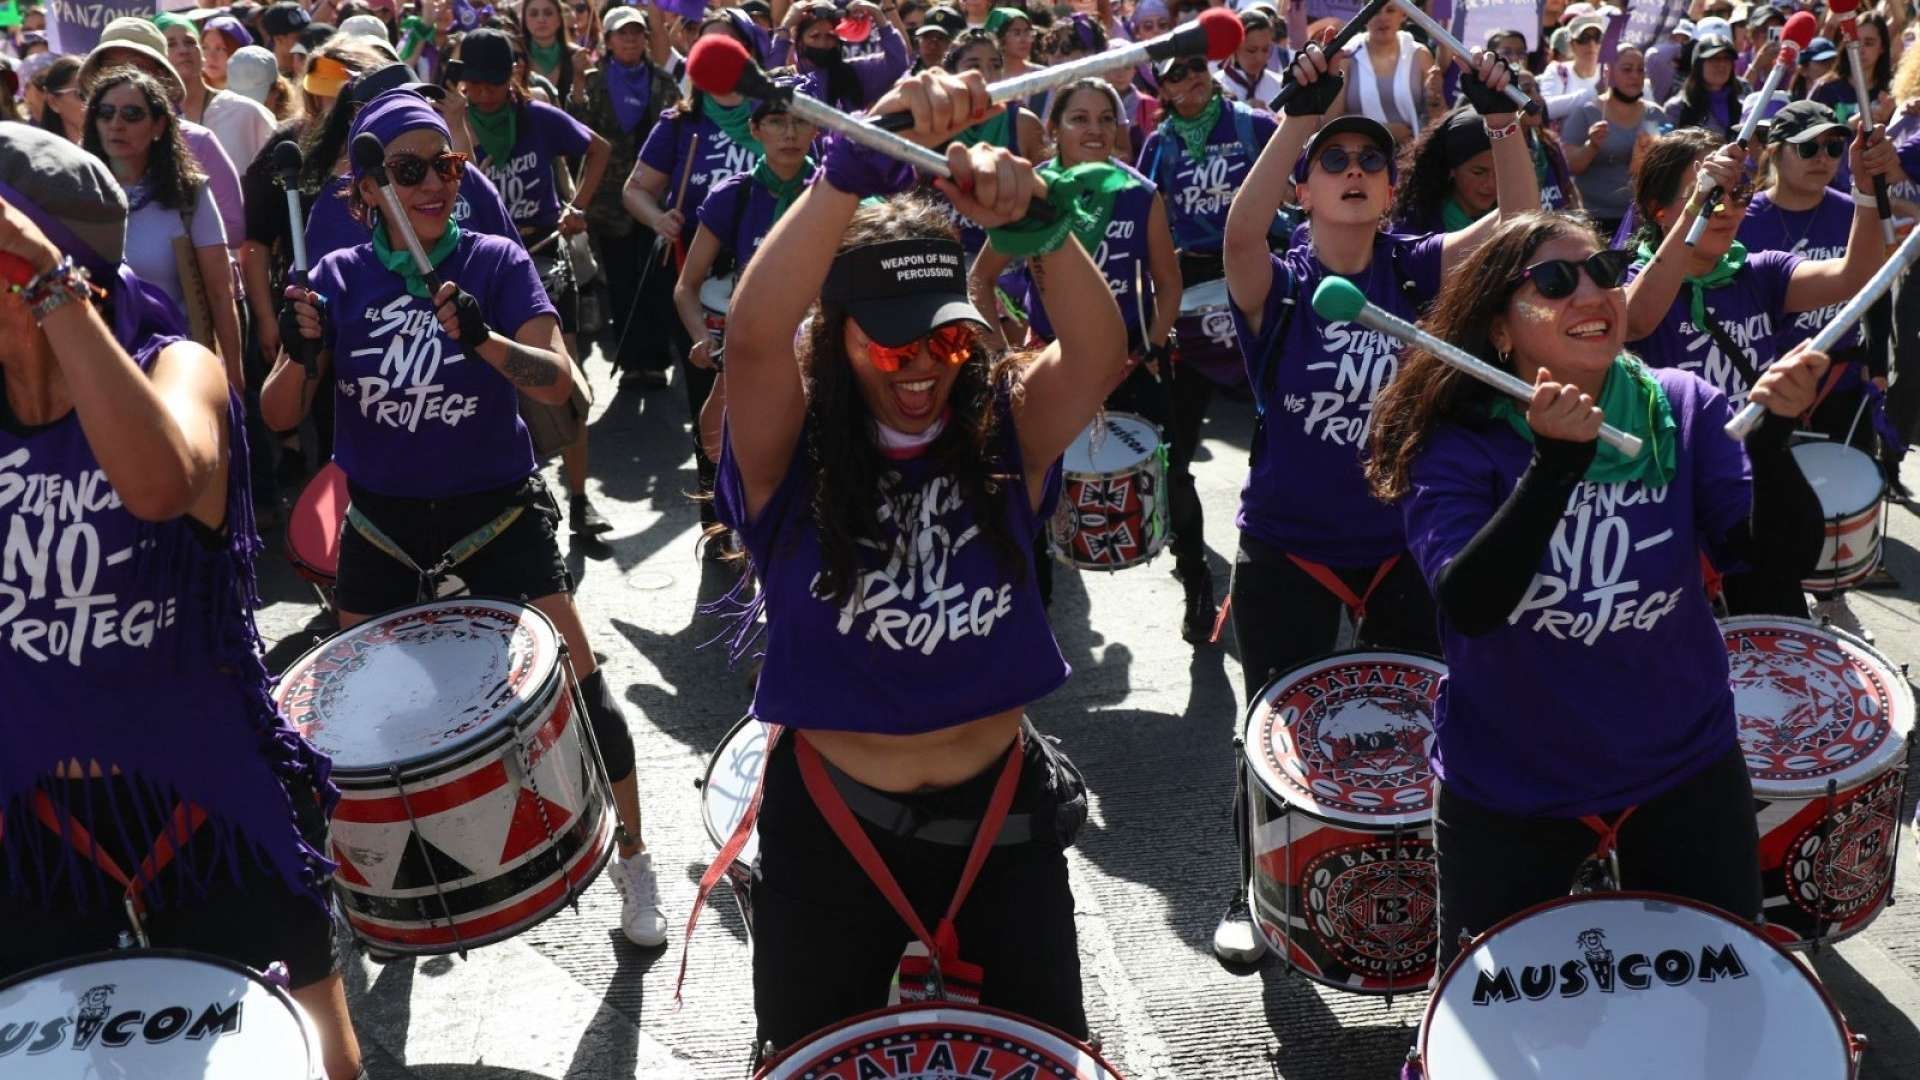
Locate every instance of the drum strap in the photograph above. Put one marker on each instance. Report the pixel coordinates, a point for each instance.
(729, 851)
(457, 554)
(1834, 375)
(185, 820)
(1607, 852)
(943, 945)
(1330, 581)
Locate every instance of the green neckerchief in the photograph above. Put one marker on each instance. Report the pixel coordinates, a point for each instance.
(1634, 403)
(736, 121)
(496, 132)
(545, 57)
(401, 262)
(1453, 216)
(1095, 186)
(1193, 133)
(992, 131)
(1722, 272)
(784, 191)
(416, 32)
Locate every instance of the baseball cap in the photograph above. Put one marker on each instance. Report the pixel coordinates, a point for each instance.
(1764, 14)
(368, 85)
(1350, 124)
(897, 290)
(622, 17)
(486, 56)
(314, 36)
(135, 35)
(284, 19)
(369, 27)
(1801, 121)
(1820, 49)
(1574, 11)
(945, 17)
(251, 71)
(1585, 23)
(1684, 28)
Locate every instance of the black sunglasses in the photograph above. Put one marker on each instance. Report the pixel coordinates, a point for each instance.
(1557, 278)
(1835, 147)
(1587, 38)
(1179, 72)
(132, 114)
(408, 170)
(1335, 159)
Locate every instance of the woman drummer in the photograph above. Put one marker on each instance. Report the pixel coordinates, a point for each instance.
(897, 415)
(1314, 544)
(1587, 721)
(146, 668)
(1712, 308)
(439, 465)
(1131, 245)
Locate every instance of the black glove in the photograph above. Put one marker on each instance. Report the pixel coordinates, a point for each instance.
(1484, 101)
(1316, 98)
(300, 348)
(473, 325)
(1161, 354)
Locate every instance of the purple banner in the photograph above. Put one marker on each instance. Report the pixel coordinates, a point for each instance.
(1473, 20)
(686, 9)
(73, 26)
(1649, 21)
(1610, 44)
(1334, 9)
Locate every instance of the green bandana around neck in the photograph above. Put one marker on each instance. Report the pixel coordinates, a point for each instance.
(1453, 216)
(401, 261)
(496, 133)
(784, 191)
(735, 121)
(992, 131)
(1633, 402)
(1092, 188)
(546, 57)
(1697, 287)
(1193, 133)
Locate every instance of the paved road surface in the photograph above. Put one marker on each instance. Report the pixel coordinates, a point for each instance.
(1149, 718)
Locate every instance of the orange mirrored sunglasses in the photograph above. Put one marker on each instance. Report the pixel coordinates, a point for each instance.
(951, 343)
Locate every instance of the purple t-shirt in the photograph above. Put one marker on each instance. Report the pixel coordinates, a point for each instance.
(874, 69)
(1819, 233)
(222, 179)
(526, 180)
(739, 213)
(1305, 491)
(331, 227)
(1199, 192)
(416, 416)
(908, 652)
(1608, 682)
(1748, 308)
(1120, 256)
(715, 157)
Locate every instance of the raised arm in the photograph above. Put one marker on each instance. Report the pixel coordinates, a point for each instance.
(1246, 255)
(1516, 187)
(1651, 294)
(982, 276)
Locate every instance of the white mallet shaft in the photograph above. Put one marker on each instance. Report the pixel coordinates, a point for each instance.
(1441, 35)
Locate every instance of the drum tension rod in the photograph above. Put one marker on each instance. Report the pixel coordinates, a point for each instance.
(459, 941)
(1822, 869)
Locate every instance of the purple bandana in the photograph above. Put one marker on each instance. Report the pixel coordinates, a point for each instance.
(392, 115)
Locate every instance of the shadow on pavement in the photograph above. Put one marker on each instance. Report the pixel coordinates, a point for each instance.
(1893, 1042)
(610, 1045)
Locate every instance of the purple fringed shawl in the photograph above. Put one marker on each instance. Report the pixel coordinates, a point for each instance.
(167, 681)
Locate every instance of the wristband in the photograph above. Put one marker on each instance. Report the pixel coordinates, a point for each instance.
(56, 287)
(1497, 133)
(858, 170)
(1865, 198)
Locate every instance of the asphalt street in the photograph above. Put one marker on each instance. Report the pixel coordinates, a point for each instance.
(1150, 719)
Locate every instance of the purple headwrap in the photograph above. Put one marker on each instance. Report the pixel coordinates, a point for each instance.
(757, 40)
(392, 115)
(231, 27)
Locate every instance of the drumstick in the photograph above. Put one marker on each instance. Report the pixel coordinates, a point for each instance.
(720, 65)
(1339, 300)
(1216, 34)
(1850, 34)
(680, 199)
(1442, 36)
(1797, 34)
(370, 157)
(286, 165)
(1837, 327)
(1140, 307)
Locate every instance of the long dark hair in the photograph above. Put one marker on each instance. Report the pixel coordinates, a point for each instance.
(848, 470)
(967, 39)
(1663, 168)
(172, 175)
(1428, 390)
(1425, 177)
(1694, 106)
(565, 40)
(59, 75)
(1881, 76)
(1093, 83)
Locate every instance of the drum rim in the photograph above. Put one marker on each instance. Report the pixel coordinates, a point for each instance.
(1900, 721)
(701, 293)
(706, 775)
(1839, 452)
(508, 721)
(765, 1071)
(488, 741)
(1845, 1033)
(1159, 434)
(1254, 765)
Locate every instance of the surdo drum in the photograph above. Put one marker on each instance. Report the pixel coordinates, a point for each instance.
(153, 1014)
(473, 800)
(716, 297)
(1632, 985)
(1113, 508)
(313, 529)
(1204, 333)
(1824, 720)
(733, 775)
(927, 1042)
(1340, 800)
(1852, 496)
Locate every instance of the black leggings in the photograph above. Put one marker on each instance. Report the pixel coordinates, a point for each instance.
(1698, 839)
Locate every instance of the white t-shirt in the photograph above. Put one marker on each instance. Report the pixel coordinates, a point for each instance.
(150, 234)
(1232, 84)
(1565, 90)
(242, 125)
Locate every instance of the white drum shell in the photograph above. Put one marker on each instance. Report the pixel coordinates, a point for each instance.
(1851, 491)
(980, 1042)
(733, 775)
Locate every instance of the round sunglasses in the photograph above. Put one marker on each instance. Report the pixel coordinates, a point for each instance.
(1836, 148)
(408, 170)
(1179, 73)
(1335, 159)
(1556, 279)
(951, 343)
(132, 114)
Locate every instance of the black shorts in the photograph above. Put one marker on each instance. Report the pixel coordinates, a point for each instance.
(523, 563)
(255, 921)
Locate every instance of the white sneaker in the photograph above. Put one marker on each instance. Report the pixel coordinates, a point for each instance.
(1236, 940)
(1833, 610)
(640, 917)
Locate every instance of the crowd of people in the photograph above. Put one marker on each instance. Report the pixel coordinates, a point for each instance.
(881, 373)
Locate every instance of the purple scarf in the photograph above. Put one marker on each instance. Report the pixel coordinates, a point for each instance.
(631, 89)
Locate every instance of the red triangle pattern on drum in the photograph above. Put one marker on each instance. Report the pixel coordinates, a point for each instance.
(348, 872)
(1843, 553)
(528, 830)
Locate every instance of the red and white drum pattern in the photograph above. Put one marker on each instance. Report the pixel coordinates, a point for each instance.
(922, 1042)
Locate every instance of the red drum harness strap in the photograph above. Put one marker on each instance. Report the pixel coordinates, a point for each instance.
(1356, 605)
(1606, 853)
(185, 820)
(729, 851)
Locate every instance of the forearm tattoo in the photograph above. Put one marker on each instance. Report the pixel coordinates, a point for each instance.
(529, 368)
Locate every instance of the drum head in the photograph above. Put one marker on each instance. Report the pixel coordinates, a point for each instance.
(716, 294)
(1347, 736)
(152, 1014)
(1630, 985)
(733, 773)
(1814, 705)
(1114, 442)
(1846, 480)
(420, 683)
(922, 1042)
(1204, 296)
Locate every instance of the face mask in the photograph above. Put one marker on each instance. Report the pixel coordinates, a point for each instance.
(1622, 95)
(826, 56)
